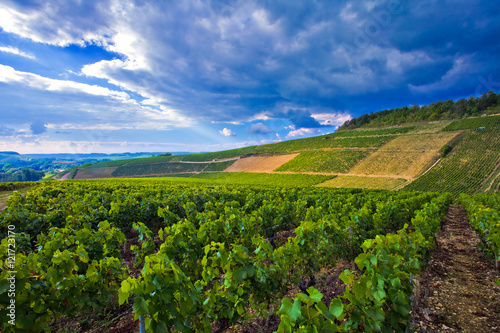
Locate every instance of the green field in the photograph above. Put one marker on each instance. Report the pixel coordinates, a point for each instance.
(325, 141)
(157, 168)
(381, 183)
(325, 161)
(370, 132)
(252, 178)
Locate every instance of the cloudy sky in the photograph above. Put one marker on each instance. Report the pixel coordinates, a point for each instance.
(82, 76)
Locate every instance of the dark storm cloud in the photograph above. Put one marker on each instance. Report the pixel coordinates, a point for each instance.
(229, 61)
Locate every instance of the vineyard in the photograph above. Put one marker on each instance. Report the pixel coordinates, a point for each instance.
(193, 258)
(484, 215)
(380, 183)
(469, 164)
(471, 123)
(325, 161)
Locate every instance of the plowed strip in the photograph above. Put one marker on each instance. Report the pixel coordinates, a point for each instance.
(259, 163)
(457, 292)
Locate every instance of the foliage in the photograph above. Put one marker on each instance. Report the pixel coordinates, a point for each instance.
(445, 150)
(484, 215)
(473, 123)
(218, 251)
(377, 298)
(16, 185)
(440, 110)
(21, 175)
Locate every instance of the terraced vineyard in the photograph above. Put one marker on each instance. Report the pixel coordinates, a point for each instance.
(325, 161)
(326, 141)
(472, 123)
(376, 158)
(405, 156)
(465, 169)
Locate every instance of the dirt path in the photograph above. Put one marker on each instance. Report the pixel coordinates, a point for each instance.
(457, 291)
(65, 176)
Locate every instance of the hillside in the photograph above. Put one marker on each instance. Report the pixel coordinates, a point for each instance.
(396, 157)
(488, 103)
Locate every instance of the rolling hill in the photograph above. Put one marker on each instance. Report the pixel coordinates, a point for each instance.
(396, 157)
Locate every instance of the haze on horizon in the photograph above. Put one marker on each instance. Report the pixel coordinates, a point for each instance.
(198, 75)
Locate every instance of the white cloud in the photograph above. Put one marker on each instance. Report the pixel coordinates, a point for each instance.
(331, 119)
(119, 111)
(227, 132)
(10, 75)
(303, 132)
(16, 51)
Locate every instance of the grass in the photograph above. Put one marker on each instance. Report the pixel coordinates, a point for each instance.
(473, 158)
(252, 178)
(382, 183)
(375, 131)
(430, 127)
(325, 161)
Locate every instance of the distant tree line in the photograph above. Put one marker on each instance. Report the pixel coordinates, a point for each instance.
(488, 103)
(22, 175)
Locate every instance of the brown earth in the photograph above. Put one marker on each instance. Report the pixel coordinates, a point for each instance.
(94, 173)
(259, 163)
(457, 291)
(65, 176)
(406, 156)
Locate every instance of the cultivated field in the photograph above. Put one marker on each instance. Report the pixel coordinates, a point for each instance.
(420, 142)
(406, 156)
(325, 161)
(468, 167)
(381, 183)
(259, 163)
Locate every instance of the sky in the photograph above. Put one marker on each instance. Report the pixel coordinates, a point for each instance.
(80, 76)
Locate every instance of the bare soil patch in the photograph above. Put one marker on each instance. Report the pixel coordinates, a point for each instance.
(65, 176)
(259, 163)
(94, 173)
(457, 291)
